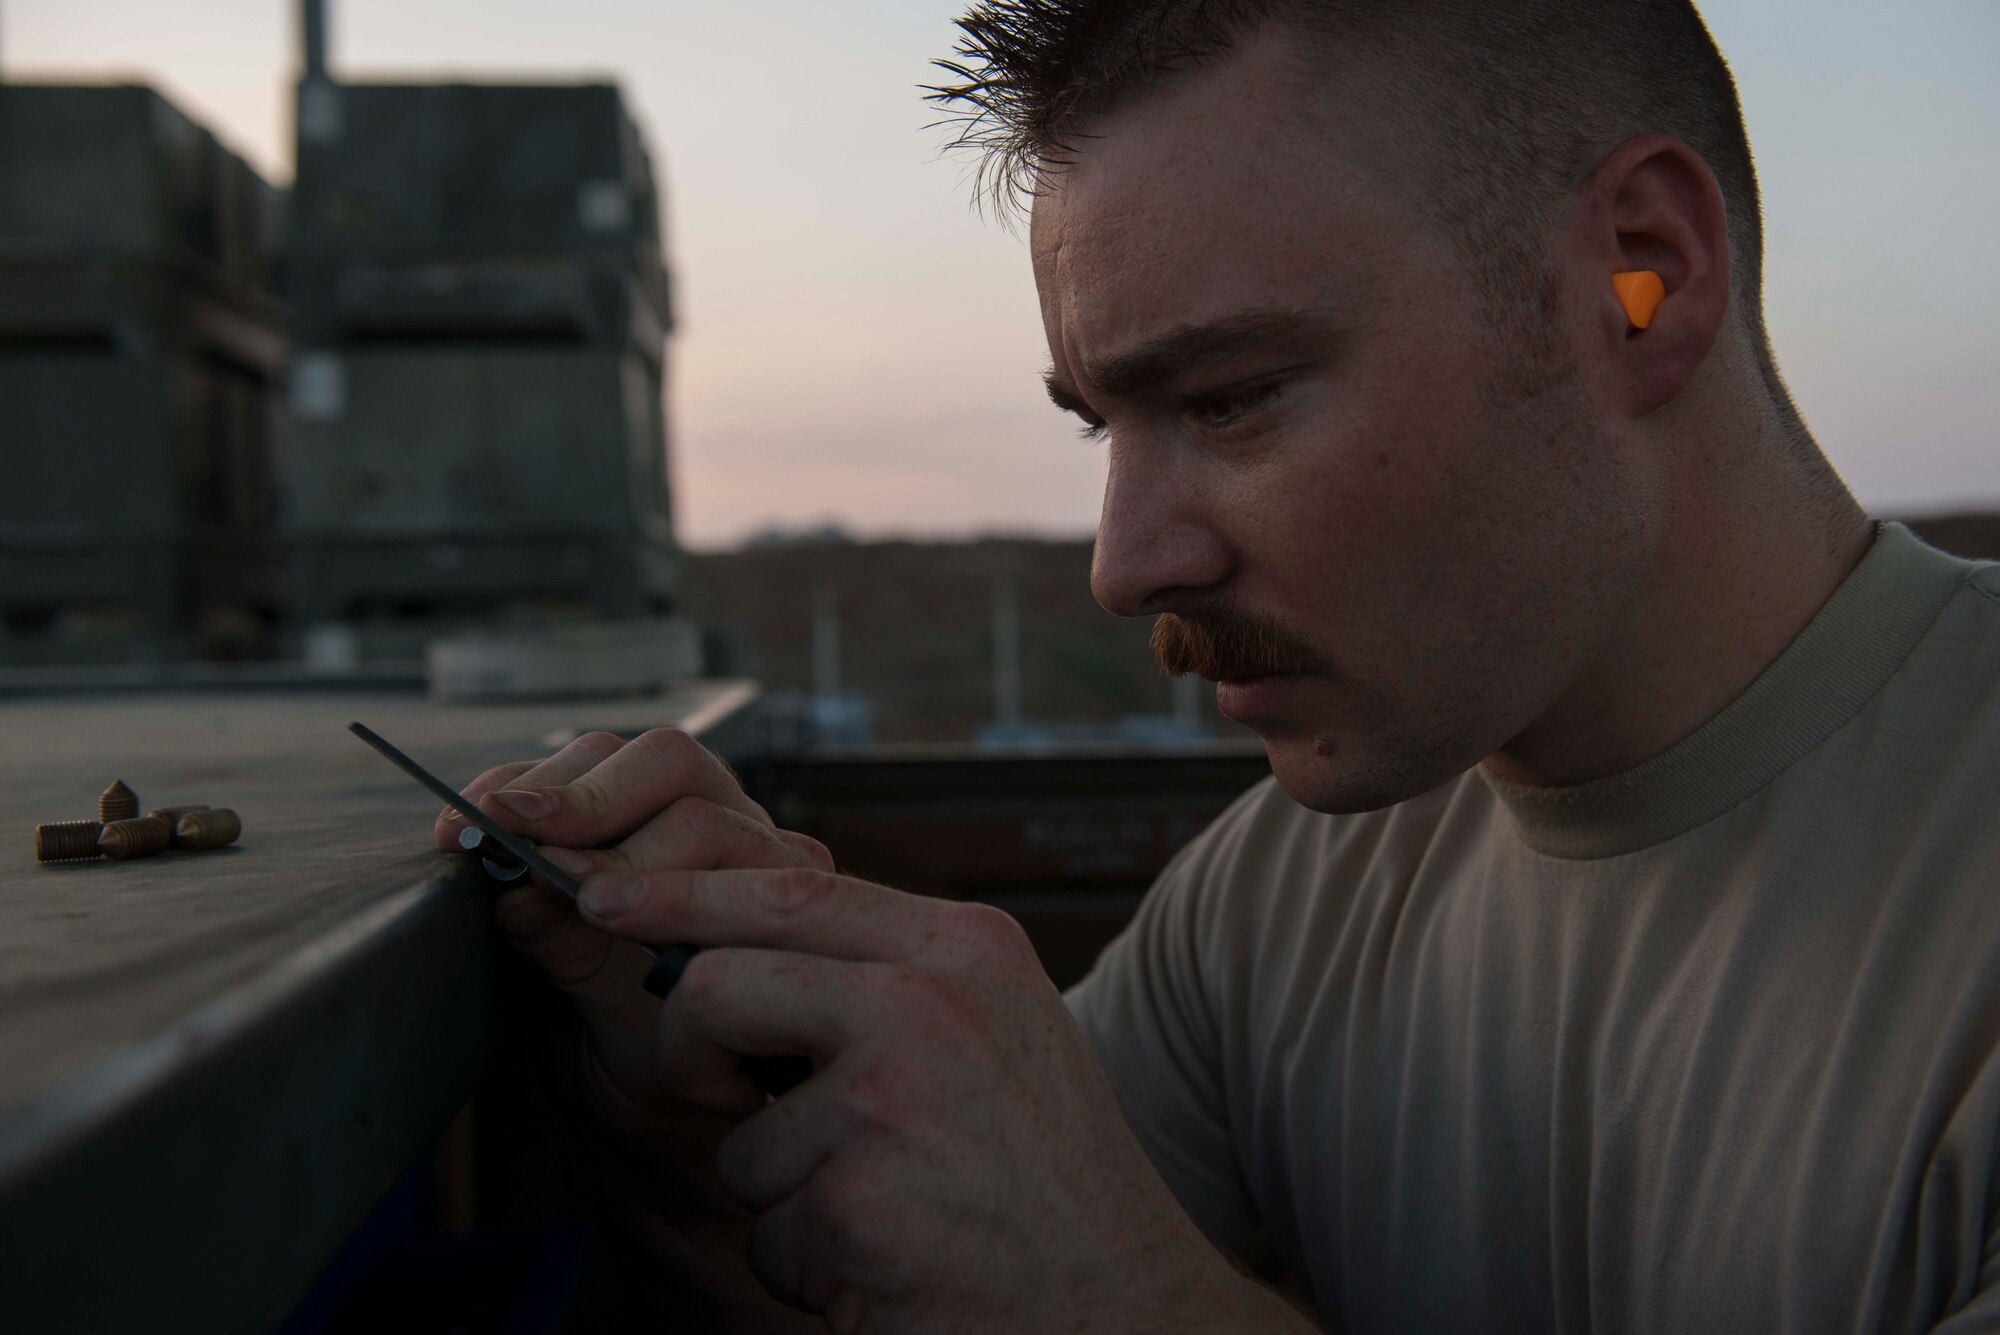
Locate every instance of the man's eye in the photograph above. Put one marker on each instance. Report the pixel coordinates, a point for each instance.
(1092, 430)
(1223, 409)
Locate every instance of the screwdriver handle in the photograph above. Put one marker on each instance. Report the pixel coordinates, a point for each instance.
(773, 1075)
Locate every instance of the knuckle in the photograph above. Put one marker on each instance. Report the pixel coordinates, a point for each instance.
(839, 1195)
(686, 834)
(688, 815)
(600, 744)
(853, 1204)
(702, 981)
(793, 893)
(499, 776)
(587, 798)
(996, 934)
(882, 1098)
(670, 744)
(812, 850)
(781, 1265)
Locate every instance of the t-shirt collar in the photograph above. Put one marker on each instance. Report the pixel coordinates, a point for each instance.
(1840, 660)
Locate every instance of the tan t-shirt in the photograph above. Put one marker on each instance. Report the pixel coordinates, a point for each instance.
(1712, 1045)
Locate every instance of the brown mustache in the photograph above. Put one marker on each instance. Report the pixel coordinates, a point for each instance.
(1219, 641)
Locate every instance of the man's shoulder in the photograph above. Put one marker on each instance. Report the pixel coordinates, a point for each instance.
(1985, 578)
(1940, 712)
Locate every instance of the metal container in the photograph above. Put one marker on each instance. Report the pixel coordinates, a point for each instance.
(481, 315)
(141, 361)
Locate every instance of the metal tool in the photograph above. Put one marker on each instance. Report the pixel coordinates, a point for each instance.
(774, 1075)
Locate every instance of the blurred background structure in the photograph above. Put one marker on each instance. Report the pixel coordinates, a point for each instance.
(480, 267)
(142, 354)
(474, 432)
(480, 311)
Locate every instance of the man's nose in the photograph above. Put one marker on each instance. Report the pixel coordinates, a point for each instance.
(1156, 543)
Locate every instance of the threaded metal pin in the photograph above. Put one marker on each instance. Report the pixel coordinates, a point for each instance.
(117, 803)
(66, 841)
(207, 829)
(172, 816)
(140, 837)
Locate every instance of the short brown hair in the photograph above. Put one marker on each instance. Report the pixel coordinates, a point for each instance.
(1515, 102)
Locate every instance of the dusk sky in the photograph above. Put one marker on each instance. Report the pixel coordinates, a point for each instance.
(859, 346)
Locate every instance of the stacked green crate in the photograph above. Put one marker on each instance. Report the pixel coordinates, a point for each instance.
(141, 359)
(481, 313)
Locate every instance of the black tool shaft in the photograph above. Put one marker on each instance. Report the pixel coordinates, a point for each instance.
(517, 848)
(774, 1075)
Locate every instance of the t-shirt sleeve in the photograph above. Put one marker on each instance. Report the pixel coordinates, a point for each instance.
(1147, 1011)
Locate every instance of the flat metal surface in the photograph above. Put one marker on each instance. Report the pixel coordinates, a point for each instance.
(212, 1064)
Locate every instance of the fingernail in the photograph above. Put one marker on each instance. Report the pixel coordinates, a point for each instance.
(568, 860)
(451, 816)
(527, 803)
(610, 895)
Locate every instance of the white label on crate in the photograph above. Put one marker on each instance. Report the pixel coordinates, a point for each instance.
(319, 387)
(603, 206)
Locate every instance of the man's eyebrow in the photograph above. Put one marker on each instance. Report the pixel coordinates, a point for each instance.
(1179, 351)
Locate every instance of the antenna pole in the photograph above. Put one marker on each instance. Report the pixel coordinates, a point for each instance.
(312, 28)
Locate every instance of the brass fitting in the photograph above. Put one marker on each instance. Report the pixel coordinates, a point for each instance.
(117, 803)
(66, 841)
(140, 837)
(207, 829)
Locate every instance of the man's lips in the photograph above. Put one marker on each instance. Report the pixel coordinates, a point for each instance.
(1254, 695)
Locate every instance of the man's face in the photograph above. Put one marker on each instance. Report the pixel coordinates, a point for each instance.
(1313, 448)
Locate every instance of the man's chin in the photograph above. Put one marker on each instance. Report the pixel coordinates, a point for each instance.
(1324, 773)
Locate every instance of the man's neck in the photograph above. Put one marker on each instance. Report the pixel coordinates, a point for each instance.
(1741, 570)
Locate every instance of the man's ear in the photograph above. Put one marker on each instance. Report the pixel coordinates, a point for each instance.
(1654, 205)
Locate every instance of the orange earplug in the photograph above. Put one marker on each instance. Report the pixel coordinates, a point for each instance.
(1641, 293)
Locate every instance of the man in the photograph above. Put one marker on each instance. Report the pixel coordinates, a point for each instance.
(1617, 946)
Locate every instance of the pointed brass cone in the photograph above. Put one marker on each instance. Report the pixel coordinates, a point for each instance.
(117, 803)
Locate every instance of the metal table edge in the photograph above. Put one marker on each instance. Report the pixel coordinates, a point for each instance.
(199, 1178)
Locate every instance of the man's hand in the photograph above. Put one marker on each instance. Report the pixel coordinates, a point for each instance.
(661, 800)
(957, 1161)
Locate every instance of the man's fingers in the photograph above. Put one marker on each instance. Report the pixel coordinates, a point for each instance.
(610, 801)
(730, 1004)
(791, 908)
(770, 1155)
(579, 757)
(788, 1251)
(603, 974)
(696, 834)
(449, 822)
(779, 1252)
(544, 926)
(693, 834)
